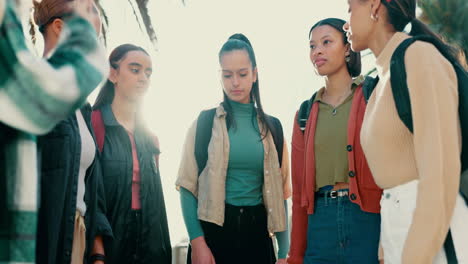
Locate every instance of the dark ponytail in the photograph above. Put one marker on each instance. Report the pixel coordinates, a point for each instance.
(402, 12)
(107, 92)
(241, 42)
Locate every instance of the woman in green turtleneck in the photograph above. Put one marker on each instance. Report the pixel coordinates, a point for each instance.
(238, 201)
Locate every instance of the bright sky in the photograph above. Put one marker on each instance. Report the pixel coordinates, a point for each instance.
(186, 75)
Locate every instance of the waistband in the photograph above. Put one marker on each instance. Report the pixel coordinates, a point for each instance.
(327, 191)
(233, 209)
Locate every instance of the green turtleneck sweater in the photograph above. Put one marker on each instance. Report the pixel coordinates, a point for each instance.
(244, 179)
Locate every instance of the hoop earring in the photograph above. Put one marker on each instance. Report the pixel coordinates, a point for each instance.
(347, 58)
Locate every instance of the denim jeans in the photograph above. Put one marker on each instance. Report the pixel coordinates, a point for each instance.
(339, 232)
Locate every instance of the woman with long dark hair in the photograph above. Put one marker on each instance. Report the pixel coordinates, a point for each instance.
(335, 199)
(419, 170)
(236, 198)
(130, 165)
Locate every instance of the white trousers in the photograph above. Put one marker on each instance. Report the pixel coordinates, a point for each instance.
(398, 205)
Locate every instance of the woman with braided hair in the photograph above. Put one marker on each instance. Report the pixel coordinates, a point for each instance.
(72, 226)
(35, 95)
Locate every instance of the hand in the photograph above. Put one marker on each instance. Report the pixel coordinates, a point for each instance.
(281, 261)
(381, 261)
(201, 253)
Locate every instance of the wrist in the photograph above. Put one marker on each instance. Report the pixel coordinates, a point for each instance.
(97, 258)
(198, 241)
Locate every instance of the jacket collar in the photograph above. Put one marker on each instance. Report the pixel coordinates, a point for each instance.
(108, 116)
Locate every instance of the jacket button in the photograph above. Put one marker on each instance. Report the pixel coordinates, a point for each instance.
(351, 174)
(353, 196)
(67, 253)
(349, 148)
(71, 219)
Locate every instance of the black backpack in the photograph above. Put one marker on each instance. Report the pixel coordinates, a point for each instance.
(204, 130)
(403, 105)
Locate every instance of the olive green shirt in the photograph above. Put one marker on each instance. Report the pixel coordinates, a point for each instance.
(331, 136)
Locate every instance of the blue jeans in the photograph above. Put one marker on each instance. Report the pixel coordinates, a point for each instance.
(339, 232)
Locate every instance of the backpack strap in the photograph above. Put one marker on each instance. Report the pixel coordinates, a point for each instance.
(304, 112)
(99, 128)
(278, 137)
(399, 85)
(368, 86)
(203, 137)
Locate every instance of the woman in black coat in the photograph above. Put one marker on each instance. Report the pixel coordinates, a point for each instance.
(129, 158)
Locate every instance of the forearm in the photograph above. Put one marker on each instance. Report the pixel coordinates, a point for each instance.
(283, 237)
(189, 206)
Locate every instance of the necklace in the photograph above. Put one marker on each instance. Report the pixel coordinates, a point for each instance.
(341, 99)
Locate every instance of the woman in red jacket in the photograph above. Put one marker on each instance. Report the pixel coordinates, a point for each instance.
(335, 200)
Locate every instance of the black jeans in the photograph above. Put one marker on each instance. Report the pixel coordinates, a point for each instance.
(243, 238)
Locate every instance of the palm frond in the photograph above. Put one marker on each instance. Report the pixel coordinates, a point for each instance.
(448, 19)
(374, 70)
(145, 16)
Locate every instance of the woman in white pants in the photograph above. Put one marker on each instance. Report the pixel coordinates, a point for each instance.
(418, 168)
(398, 205)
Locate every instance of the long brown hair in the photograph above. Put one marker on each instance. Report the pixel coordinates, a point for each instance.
(107, 92)
(46, 11)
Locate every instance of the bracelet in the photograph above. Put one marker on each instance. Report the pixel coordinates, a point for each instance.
(97, 257)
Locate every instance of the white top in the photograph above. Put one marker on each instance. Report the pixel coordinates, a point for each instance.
(88, 151)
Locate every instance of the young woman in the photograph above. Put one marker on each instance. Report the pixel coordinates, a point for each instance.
(35, 94)
(235, 201)
(420, 171)
(335, 199)
(129, 158)
(71, 180)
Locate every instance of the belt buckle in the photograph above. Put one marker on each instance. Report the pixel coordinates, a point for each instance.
(333, 194)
